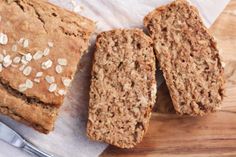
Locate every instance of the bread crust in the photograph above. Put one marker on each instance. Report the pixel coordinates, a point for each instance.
(61, 36)
(123, 87)
(188, 57)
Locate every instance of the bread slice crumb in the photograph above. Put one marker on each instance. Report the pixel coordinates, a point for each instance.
(188, 56)
(123, 87)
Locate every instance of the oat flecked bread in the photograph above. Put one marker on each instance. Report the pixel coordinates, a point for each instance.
(188, 56)
(123, 87)
(40, 47)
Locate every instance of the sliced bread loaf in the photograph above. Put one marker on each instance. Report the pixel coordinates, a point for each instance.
(188, 56)
(40, 47)
(123, 87)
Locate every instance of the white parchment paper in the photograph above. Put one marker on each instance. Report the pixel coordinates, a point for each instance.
(69, 137)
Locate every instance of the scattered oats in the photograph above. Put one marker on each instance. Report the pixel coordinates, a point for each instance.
(59, 69)
(4, 52)
(21, 40)
(38, 55)
(3, 39)
(14, 48)
(62, 92)
(22, 87)
(16, 60)
(29, 83)
(1, 58)
(7, 61)
(6, 58)
(47, 64)
(23, 60)
(50, 44)
(22, 67)
(66, 81)
(52, 87)
(27, 71)
(46, 52)
(39, 74)
(50, 79)
(62, 61)
(37, 80)
(28, 57)
(1, 68)
(26, 43)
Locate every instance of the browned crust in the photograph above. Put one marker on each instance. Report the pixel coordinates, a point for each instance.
(37, 107)
(39, 116)
(43, 129)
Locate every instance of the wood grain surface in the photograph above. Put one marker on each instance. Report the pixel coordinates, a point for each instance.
(213, 135)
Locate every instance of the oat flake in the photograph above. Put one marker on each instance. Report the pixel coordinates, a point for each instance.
(52, 87)
(27, 71)
(47, 64)
(7, 61)
(39, 74)
(50, 44)
(46, 52)
(23, 60)
(28, 57)
(66, 81)
(62, 61)
(14, 48)
(62, 92)
(37, 80)
(38, 55)
(6, 58)
(21, 41)
(59, 69)
(3, 39)
(29, 83)
(26, 43)
(16, 60)
(50, 79)
(22, 87)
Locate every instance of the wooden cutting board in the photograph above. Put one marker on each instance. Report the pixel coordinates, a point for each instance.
(213, 135)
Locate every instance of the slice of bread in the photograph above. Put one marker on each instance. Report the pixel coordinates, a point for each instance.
(123, 87)
(188, 56)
